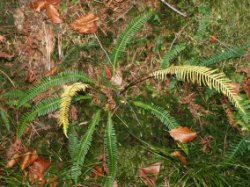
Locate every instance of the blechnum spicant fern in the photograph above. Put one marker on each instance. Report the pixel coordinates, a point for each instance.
(171, 54)
(159, 113)
(44, 107)
(206, 76)
(66, 97)
(79, 149)
(235, 52)
(204, 21)
(5, 119)
(57, 80)
(126, 36)
(110, 151)
(239, 147)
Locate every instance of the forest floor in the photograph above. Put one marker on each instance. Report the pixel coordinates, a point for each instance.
(41, 39)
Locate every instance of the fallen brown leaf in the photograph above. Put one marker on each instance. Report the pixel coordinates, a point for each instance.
(53, 14)
(2, 39)
(182, 134)
(38, 5)
(37, 169)
(85, 24)
(97, 171)
(178, 155)
(145, 173)
(52, 71)
(28, 159)
(108, 73)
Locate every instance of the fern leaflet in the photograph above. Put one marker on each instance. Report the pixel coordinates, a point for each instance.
(236, 52)
(240, 146)
(57, 80)
(66, 97)
(44, 107)
(160, 113)
(199, 74)
(171, 54)
(110, 151)
(83, 147)
(5, 118)
(133, 27)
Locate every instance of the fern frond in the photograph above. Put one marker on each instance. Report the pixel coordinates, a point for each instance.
(66, 97)
(158, 112)
(14, 94)
(5, 119)
(74, 53)
(125, 37)
(239, 147)
(57, 80)
(43, 108)
(236, 52)
(203, 23)
(83, 147)
(110, 151)
(199, 74)
(73, 146)
(171, 54)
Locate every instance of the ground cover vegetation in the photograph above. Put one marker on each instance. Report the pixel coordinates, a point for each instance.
(124, 93)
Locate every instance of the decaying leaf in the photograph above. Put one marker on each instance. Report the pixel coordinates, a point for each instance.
(52, 71)
(182, 134)
(38, 5)
(29, 159)
(147, 173)
(97, 171)
(53, 14)
(2, 39)
(108, 73)
(85, 24)
(73, 112)
(178, 155)
(37, 169)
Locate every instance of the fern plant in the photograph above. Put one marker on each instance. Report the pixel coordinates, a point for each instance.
(126, 36)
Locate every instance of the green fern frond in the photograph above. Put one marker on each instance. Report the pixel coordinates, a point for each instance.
(171, 54)
(66, 97)
(239, 147)
(43, 108)
(13, 94)
(74, 53)
(125, 37)
(158, 112)
(83, 147)
(5, 118)
(57, 80)
(236, 52)
(203, 23)
(199, 74)
(73, 146)
(111, 151)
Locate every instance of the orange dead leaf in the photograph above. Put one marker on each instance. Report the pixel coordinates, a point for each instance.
(53, 14)
(182, 134)
(73, 113)
(182, 158)
(53, 2)
(146, 173)
(11, 162)
(107, 72)
(97, 171)
(28, 159)
(85, 24)
(38, 5)
(37, 169)
(213, 39)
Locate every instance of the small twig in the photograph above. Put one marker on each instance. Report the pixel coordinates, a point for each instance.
(174, 9)
(106, 53)
(8, 78)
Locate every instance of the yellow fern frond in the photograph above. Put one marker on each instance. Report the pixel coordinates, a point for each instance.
(206, 76)
(66, 97)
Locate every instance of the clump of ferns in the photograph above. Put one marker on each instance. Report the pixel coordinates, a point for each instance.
(82, 83)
